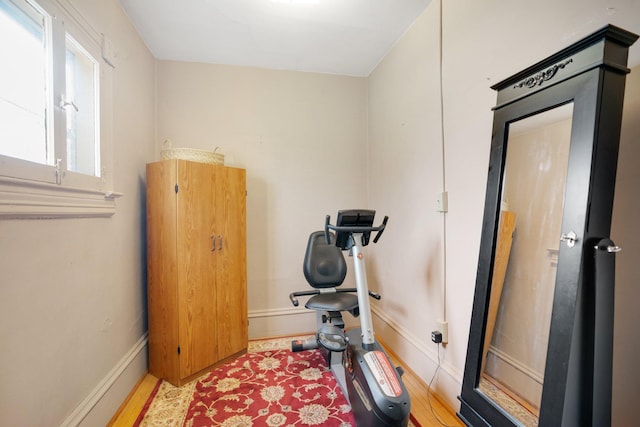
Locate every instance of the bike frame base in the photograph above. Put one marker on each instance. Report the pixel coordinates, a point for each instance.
(371, 383)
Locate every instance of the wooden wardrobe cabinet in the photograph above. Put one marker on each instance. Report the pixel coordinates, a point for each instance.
(196, 266)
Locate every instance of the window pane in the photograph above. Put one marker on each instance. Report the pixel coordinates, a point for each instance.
(82, 137)
(23, 77)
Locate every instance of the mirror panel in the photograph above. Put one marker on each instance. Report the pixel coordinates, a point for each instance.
(525, 262)
(533, 356)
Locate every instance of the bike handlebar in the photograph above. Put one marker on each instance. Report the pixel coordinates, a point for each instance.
(353, 229)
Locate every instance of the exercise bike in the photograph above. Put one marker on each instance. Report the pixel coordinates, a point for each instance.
(362, 368)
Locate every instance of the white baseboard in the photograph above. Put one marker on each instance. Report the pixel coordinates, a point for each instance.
(530, 373)
(415, 352)
(285, 321)
(521, 378)
(427, 349)
(128, 368)
(280, 322)
(254, 314)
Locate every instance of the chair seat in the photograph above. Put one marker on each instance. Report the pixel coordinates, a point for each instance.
(341, 301)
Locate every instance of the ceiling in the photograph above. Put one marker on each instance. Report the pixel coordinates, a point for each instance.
(347, 37)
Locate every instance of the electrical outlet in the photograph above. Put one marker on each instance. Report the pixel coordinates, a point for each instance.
(443, 327)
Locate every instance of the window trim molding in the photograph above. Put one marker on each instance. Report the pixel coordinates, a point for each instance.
(23, 199)
(82, 196)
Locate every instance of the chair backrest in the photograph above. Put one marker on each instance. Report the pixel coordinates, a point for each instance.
(324, 265)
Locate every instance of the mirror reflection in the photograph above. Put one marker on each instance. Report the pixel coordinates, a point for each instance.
(522, 288)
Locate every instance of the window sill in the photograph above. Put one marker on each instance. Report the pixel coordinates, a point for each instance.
(21, 199)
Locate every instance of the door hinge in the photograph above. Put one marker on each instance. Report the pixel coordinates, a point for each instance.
(176, 188)
(178, 350)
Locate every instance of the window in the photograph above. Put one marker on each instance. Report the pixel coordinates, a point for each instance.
(54, 147)
(83, 141)
(22, 83)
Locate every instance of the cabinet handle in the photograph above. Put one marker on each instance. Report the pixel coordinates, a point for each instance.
(213, 243)
(220, 237)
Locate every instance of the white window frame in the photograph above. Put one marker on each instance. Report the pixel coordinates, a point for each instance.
(32, 190)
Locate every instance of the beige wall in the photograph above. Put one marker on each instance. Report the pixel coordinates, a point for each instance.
(72, 296)
(301, 138)
(405, 174)
(72, 293)
(625, 231)
(481, 47)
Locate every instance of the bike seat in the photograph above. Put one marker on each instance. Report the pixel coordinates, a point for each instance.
(333, 302)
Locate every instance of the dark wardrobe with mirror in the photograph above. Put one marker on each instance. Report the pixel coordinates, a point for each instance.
(541, 338)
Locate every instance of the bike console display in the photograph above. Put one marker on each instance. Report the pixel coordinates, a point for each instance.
(358, 221)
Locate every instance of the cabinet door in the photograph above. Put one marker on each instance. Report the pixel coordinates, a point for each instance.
(197, 258)
(231, 274)
(162, 271)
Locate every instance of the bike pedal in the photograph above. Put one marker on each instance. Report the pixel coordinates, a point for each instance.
(299, 345)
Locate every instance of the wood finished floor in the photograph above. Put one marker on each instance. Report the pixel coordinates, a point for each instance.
(421, 403)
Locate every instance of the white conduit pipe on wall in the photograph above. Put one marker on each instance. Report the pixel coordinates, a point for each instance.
(444, 186)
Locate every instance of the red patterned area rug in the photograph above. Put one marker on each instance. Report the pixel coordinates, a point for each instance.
(269, 386)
